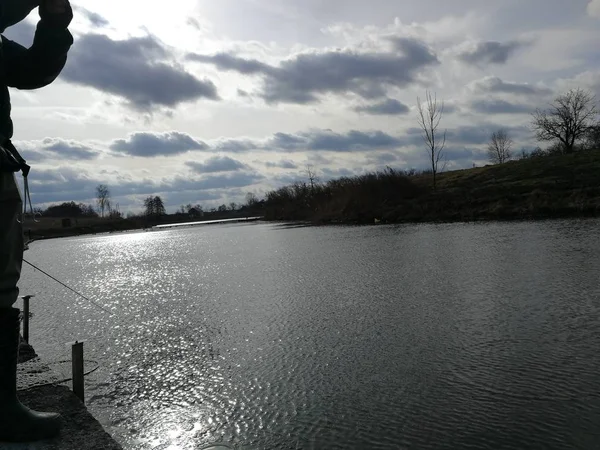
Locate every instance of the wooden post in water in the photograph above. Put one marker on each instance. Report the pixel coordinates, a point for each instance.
(77, 370)
(26, 317)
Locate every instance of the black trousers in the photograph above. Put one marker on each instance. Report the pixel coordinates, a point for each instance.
(11, 239)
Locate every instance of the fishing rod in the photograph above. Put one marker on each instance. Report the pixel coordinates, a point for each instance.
(97, 305)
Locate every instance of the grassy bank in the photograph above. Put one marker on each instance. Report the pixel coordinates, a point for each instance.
(536, 188)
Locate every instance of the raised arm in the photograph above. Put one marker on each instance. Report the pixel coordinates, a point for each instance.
(39, 65)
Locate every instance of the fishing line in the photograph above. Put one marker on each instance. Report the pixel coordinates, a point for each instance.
(70, 288)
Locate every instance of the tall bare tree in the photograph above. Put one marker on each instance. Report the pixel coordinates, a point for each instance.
(568, 119)
(499, 148)
(430, 116)
(103, 198)
(311, 174)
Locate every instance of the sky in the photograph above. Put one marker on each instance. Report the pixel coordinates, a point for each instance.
(202, 102)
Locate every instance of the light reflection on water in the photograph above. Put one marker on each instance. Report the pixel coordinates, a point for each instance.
(258, 336)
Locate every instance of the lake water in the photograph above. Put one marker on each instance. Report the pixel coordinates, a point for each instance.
(482, 336)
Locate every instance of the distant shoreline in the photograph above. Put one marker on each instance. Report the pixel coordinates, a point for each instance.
(542, 188)
(57, 233)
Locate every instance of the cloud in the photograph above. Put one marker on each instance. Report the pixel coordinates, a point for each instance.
(93, 18)
(387, 107)
(330, 174)
(457, 154)
(51, 148)
(593, 8)
(330, 141)
(305, 77)
(313, 140)
(23, 33)
(497, 106)
(233, 180)
(588, 80)
(224, 61)
(471, 134)
(61, 184)
(216, 164)
(495, 85)
(480, 134)
(283, 164)
(136, 69)
(490, 52)
(235, 145)
(148, 144)
(381, 159)
(65, 184)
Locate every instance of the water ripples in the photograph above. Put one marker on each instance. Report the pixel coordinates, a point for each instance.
(255, 336)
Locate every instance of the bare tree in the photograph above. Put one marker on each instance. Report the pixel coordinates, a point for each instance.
(251, 199)
(115, 213)
(154, 206)
(567, 120)
(499, 148)
(103, 198)
(311, 174)
(592, 138)
(430, 116)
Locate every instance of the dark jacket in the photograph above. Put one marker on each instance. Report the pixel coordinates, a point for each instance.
(30, 68)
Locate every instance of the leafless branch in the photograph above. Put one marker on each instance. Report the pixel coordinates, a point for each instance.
(430, 116)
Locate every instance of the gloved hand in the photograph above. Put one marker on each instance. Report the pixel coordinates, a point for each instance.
(56, 13)
(13, 11)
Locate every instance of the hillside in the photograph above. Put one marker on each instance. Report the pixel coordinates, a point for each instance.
(535, 188)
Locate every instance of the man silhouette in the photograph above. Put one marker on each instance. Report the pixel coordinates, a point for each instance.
(22, 68)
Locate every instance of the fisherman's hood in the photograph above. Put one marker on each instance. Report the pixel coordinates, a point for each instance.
(13, 11)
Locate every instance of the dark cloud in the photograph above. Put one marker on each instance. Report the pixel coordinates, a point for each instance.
(303, 78)
(490, 52)
(283, 164)
(216, 164)
(147, 144)
(497, 106)
(387, 107)
(50, 148)
(134, 69)
(330, 141)
(69, 150)
(495, 85)
(93, 18)
(314, 140)
(224, 61)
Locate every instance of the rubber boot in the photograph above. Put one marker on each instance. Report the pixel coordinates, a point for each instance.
(17, 422)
